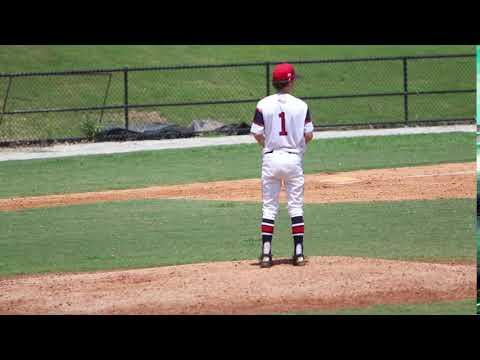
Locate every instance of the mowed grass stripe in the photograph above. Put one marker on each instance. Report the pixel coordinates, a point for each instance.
(183, 166)
(18, 58)
(137, 234)
(463, 307)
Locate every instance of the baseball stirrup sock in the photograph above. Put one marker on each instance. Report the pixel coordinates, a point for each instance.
(298, 228)
(267, 235)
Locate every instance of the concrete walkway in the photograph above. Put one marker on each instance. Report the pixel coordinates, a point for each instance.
(63, 150)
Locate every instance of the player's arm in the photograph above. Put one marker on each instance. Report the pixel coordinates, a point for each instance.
(257, 129)
(308, 129)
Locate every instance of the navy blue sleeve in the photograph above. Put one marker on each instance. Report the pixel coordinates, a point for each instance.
(308, 118)
(258, 118)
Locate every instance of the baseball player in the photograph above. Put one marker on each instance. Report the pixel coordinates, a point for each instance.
(283, 127)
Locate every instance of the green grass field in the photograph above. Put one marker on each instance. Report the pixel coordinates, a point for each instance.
(464, 307)
(26, 58)
(141, 169)
(225, 84)
(136, 234)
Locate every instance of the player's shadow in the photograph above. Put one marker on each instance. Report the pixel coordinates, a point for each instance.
(288, 261)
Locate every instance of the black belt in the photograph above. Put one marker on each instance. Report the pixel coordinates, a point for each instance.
(269, 152)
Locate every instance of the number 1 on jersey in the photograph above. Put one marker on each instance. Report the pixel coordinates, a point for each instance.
(284, 131)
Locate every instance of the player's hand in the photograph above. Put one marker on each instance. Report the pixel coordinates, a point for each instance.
(308, 137)
(260, 139)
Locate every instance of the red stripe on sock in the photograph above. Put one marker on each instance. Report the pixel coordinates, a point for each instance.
(267, 229)
(298, 229)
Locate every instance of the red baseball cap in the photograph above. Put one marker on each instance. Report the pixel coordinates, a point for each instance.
(283, 72)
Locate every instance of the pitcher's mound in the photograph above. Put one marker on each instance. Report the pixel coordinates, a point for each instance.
(239, 287)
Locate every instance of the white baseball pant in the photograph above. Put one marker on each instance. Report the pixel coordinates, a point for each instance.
(283, 166)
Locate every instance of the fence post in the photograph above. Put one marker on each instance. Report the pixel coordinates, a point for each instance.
(4, 107)
(405, 89)
(106, 95)
(267, 76)
(125, 100)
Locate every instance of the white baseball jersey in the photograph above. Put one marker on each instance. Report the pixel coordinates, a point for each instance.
(283, 119)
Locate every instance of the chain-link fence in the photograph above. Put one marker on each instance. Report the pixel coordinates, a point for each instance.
(153, 102)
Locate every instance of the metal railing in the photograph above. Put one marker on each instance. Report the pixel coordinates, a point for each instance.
(382, 91)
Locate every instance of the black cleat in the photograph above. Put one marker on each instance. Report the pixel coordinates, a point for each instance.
(266, 261)
(298, 260)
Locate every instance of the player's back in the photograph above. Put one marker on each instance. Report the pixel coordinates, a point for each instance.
(284, 119)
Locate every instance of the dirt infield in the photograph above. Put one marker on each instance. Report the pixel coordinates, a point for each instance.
(410, 183)
(239, 287)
